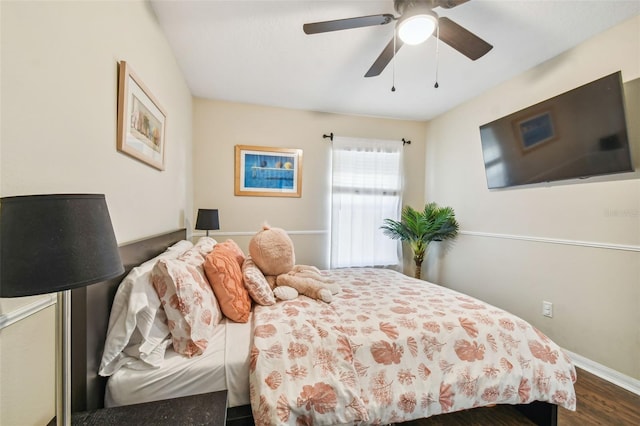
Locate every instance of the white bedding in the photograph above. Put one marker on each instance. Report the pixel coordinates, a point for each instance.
(224, 365)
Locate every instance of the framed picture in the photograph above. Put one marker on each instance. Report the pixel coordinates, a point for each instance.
(535, 130)
(141, 120)
(268, 172)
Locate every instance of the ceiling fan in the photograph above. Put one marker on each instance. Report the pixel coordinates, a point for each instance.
(416, 23)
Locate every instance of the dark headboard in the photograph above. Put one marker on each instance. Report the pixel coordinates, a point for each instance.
(90, 309)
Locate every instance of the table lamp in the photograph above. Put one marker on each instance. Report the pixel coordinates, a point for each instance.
(208, 219)
(55, 243)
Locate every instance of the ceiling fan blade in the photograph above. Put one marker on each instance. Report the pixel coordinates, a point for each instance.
(461, 39)
(449, 4)
(385, 57)
(347, 24)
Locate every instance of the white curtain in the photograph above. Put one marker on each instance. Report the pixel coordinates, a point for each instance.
(367, 183)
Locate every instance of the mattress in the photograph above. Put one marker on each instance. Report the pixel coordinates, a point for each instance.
(224, 365)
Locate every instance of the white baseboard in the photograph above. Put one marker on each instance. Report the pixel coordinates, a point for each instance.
(606, 373)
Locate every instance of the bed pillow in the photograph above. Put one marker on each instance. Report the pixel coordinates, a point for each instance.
(223, 269)
(256, 284)
(188, 300)
(138, 334)
(199, 251)
(235, 250)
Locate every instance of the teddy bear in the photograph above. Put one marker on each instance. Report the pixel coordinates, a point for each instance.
(272, 251)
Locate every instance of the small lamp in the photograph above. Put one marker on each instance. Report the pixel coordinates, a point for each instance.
(55, 243)
(417, 24)
(208, 220)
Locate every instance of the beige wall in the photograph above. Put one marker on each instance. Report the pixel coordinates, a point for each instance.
(575, 244)
(58, 104)
(219, 126)
(59, 86)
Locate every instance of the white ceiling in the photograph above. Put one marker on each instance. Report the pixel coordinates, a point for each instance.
(256, 52)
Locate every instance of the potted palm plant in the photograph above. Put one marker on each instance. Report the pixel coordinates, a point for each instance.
(419, 228)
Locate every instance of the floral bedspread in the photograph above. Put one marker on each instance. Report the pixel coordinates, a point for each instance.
(390, 348)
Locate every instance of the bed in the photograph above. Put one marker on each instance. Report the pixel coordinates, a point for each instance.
(304, 358)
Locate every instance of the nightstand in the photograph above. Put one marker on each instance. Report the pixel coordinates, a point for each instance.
(205, 409)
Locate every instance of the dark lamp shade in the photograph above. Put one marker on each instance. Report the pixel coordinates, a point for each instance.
(207, 219)
(51, 243)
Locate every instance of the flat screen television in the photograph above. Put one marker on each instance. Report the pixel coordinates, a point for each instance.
(577, 134)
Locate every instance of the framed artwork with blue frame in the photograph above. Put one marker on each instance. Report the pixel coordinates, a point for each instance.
(535, 130)
(268, 172)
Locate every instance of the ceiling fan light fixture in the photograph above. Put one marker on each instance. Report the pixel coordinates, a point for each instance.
(416, 27)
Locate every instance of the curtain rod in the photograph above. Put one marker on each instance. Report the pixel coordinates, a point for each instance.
(330, 137)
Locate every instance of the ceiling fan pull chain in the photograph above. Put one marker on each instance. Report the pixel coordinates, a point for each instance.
(437, 54)
(393, 78)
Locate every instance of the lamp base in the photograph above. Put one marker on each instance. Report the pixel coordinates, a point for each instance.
(63, 358)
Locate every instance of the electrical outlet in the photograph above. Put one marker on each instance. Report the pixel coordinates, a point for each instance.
(547, 309)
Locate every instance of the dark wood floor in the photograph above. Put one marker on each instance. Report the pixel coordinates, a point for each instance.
(599, 403)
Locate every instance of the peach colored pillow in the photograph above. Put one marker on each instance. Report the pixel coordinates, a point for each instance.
(256, 284)
(235, 249)
(188, 300)
(223, 269)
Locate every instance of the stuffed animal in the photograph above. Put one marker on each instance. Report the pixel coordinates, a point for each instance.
(307, 280)
(272, 251)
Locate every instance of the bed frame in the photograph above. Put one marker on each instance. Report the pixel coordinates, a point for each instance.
(91, 307)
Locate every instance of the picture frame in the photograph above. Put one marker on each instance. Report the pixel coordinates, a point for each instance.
(268, 172)
(141, 120)
(535, 130)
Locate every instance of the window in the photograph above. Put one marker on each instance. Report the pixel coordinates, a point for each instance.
(366, 189)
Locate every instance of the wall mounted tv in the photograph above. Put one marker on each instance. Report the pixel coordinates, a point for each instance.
(577, 134)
